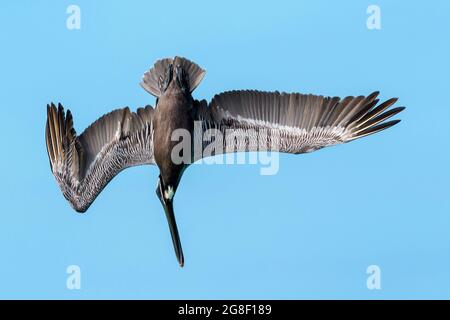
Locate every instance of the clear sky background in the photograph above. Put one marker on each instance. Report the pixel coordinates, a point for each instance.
(310, 231)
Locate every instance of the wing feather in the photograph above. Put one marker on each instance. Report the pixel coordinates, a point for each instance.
(293, 123)
(83, 165)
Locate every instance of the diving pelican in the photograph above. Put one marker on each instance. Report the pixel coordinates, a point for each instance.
(290, 122)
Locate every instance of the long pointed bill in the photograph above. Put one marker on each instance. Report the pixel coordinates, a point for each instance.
(168, 208)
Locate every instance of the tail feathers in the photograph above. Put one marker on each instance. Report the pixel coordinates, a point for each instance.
(152, 79)
(195, 73)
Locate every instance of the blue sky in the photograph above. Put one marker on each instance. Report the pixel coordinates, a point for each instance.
(310, 231)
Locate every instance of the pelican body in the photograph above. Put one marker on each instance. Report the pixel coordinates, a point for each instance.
(291, 122)
(173, 111)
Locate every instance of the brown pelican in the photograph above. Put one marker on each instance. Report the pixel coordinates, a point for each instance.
(288, 122)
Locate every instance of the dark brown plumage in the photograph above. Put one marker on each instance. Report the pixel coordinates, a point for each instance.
(293, 123)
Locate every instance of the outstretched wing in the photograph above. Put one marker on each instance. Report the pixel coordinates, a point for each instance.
(83, 165)
(295, 123)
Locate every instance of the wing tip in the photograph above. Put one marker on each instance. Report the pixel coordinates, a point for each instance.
(375, 119)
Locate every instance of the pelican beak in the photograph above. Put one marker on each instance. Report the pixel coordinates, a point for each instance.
(168, 209)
